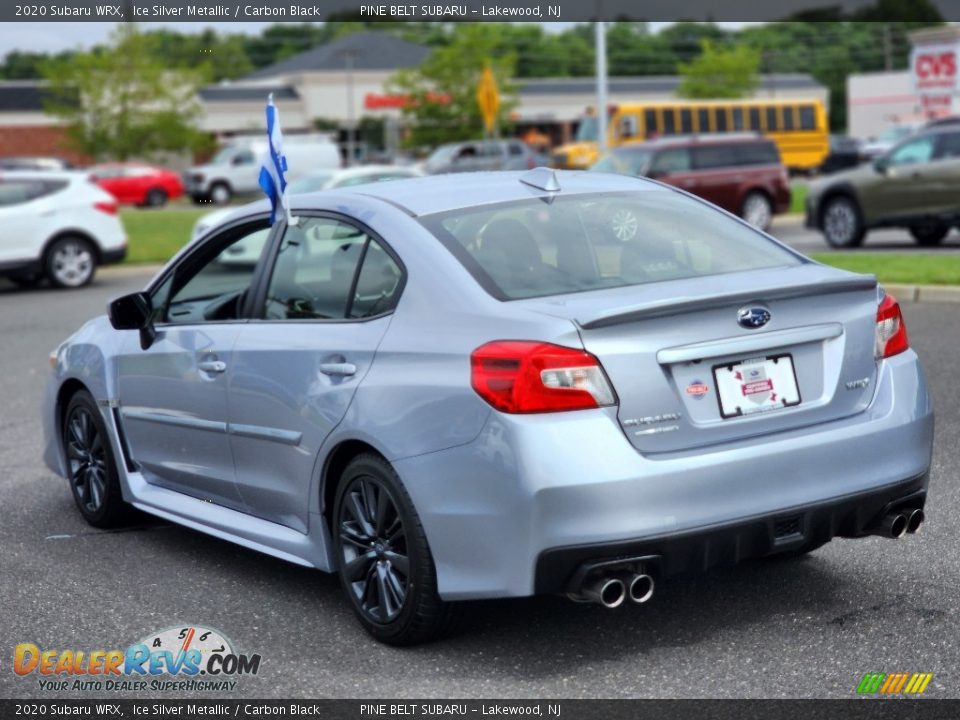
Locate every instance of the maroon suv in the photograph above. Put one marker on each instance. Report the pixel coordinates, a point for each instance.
(740, 173)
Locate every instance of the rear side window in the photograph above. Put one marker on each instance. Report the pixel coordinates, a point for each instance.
(948, 146)
(721, 119)
(807, 118)
(330, 270)
(787, 118)
(650, 119)
(529, 248)
(756, 153)
(772, 122)
(670, 161)
(703, 119)
(17, 192)
(710, 157)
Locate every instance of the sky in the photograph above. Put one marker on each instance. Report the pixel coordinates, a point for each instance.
(52, 36)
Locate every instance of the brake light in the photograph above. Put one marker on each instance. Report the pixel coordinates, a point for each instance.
(517, 376)
(891, 330)
(105, 206)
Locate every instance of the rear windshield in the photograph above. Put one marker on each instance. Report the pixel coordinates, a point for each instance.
(534, 248)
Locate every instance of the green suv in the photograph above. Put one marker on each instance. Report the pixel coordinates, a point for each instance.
(915, 185)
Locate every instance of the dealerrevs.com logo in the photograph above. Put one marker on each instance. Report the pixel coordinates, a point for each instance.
(188, 659)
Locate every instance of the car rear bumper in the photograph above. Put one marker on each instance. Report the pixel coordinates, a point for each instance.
(113, 256)
(498, 510)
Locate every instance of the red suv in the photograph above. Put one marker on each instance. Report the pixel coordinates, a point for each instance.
(138, 183)
(740, 173)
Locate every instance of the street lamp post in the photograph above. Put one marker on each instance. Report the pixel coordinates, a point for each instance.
(601, 53)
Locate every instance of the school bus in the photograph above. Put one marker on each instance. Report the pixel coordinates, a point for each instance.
(798, 127)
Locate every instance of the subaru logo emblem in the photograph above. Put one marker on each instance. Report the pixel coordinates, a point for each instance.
(753, 317)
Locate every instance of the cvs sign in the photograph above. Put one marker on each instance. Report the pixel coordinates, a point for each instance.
(934, 68)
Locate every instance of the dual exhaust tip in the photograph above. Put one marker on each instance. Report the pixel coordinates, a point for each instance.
(612, 591)
(898, 523)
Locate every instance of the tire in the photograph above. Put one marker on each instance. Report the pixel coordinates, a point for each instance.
(929, 234)
(157, 197)
(90, 465)
(70, 262)
(842, 222)
(395, 608)
(220, 193)
(757, 210)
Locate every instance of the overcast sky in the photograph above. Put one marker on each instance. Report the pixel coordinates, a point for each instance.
(52, 36)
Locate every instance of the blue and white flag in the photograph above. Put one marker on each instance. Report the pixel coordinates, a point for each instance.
(274, 165)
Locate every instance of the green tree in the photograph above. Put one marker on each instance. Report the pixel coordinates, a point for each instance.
(720, 72)
(442, 103)
(121, 101)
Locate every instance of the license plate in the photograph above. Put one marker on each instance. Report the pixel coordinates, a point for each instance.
(756, 385)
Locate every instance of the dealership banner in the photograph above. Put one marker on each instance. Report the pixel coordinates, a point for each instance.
(487, 709)
(464, 10)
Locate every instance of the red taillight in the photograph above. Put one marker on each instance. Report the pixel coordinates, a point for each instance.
(105, 206)
(891, 330)
(517, 376)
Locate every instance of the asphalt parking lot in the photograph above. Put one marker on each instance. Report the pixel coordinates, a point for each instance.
(807, 627)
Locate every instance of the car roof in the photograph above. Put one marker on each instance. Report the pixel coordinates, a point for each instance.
(441, 193)
(696, 139)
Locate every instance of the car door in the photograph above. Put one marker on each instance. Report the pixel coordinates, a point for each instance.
(173, 395)
(945, 173)
(325, 307)
(716, 176)
(904, 185)
(672, 166)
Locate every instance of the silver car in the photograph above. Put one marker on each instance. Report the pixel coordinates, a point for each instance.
(496, 385)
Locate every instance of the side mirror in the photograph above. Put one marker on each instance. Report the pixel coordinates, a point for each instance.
(134, 312)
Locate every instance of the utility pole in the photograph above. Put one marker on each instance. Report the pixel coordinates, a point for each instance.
(887, 48)
(348, 56)
(601, 53)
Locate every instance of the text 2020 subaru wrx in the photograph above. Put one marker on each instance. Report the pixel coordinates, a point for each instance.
(496, 385)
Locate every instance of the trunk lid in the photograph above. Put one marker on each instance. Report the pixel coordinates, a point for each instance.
(672, 349)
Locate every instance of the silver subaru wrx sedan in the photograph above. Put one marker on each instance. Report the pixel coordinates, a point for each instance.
(496, 385)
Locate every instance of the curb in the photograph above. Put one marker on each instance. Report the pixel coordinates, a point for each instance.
(924, 293)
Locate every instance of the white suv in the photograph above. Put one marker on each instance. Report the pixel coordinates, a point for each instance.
(56, 225)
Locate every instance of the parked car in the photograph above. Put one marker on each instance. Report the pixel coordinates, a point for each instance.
(940, 122)
(876, 146)
(138, 183)
(34, 162)
(916, 185)
(482, 155)
(58, 226)
(235, 169)
(450, 388)
(313, 182)
(741, 173)
(845, 152)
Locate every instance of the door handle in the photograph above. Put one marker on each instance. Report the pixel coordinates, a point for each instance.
(212, 366)
(338, 368)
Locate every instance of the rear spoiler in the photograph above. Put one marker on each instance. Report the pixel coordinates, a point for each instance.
(660, 308)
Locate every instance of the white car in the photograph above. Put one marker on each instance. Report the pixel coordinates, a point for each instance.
(313, 182)
(57, 225)
(235, 170)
